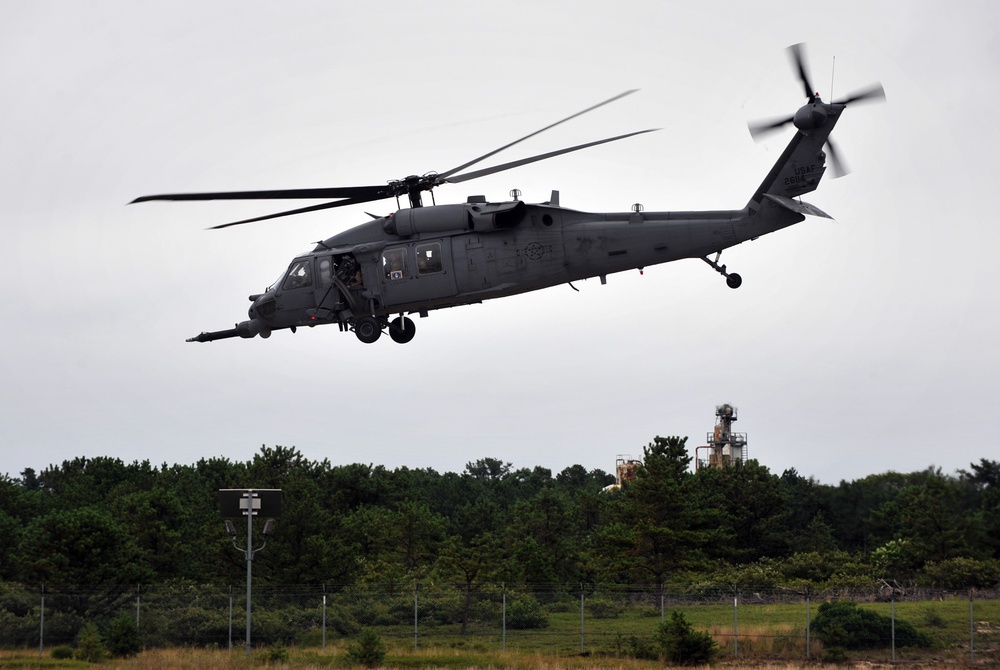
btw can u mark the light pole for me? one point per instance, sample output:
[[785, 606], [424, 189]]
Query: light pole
[[250, 503]]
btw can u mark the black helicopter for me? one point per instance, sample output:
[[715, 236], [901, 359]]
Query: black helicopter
[[369, 278]]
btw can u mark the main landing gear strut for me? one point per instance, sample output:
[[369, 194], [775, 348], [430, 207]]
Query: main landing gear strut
[[368, 329], [733, 280]]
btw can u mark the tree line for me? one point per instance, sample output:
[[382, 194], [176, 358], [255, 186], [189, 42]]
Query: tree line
[[100, 521]]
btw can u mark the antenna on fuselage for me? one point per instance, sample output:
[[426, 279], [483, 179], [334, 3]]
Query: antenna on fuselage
[[833, 71]]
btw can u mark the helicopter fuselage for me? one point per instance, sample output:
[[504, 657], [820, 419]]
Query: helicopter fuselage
[[492, 250]]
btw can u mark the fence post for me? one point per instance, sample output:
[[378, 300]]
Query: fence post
[[663, 614], [230, 618], [808, 625], [416, 600], [41, 626], [892, 612], [503, 619], [581, 618], [972, 631], [324, 617], [137, 588], [736, 625]]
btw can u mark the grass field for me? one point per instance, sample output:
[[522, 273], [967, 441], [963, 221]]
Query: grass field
[[770, 636]]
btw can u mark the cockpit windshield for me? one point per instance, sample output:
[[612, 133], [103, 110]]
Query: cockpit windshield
[[273, 285], [299, 275]]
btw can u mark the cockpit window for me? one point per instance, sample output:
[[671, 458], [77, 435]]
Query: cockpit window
[[394, 264], [299, 275], [429, 258]]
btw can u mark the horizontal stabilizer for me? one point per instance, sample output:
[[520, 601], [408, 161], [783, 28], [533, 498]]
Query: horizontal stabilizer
[[797, 206]]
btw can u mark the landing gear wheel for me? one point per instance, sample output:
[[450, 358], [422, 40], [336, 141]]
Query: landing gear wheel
[[734, 280], [402, 329], [368, 329]]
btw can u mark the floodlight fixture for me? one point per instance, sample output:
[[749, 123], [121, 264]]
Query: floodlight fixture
[[236, 503]]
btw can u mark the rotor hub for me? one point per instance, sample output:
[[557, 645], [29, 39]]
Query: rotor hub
[[811, 116]]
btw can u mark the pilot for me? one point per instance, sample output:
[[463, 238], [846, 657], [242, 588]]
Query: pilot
[[301, 276]]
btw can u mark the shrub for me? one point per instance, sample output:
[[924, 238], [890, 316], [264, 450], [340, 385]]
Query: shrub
[[635, 647], [122, 639], [526, 613], [89, 646], [933, 618], [842, 624], [276, 653], [62, 653], [682, 645], [604, 608], [368, 650]]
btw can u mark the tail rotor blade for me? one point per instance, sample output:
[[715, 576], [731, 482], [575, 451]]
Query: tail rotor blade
[[875, 93], [762, 128], [837, 165], [795, 52]]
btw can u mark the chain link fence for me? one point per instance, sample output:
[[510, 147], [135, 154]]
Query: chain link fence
[[746, 623]]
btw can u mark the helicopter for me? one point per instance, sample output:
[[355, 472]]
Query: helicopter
[[370, 278]]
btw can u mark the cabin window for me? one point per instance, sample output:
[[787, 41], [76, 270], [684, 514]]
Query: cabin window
[[429, 258], [299, 275], [325, 271], [394, 264]]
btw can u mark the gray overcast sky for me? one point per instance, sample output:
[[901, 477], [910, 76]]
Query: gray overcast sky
[[854, 347]]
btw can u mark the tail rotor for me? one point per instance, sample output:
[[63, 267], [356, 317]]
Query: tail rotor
[[815, 112]]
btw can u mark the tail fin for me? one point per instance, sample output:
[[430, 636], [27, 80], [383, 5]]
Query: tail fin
[[800, 167]]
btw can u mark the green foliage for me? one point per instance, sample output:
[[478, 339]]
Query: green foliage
[[89, 646], [842, 624], [100, 521], [122, 638], [962, 573], [62, 653], [682, 645], [275, 653], [632, 646], [604, 608], [748, 507], [933, 618], [368, 650], [525, 613]]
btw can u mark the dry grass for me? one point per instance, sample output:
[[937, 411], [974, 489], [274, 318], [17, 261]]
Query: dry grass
[[429, 659]]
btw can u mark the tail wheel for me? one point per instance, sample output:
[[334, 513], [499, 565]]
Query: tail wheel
[[402, 329], [368, 329]]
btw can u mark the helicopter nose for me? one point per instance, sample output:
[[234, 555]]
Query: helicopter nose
[[264, 306]]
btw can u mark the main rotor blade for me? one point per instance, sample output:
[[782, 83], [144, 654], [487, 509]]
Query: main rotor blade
[[874, 92], [302, 210], [798, 59], [368, 192], [444, 176], [456, 179]]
